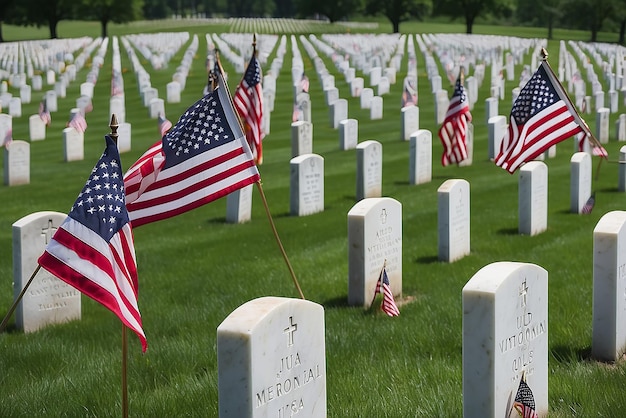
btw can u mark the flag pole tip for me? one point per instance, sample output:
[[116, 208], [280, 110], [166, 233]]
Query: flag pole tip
[[544, 54], [114, 125]]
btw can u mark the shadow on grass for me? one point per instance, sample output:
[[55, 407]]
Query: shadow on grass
[[567, 354], [427, 259], [338, 302], [508, 231], [219, 220]]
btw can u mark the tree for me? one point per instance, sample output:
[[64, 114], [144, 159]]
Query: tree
[[398, 11], [471, 9], [45, 12], [105, 11], [334, 10], [590, 14], [547, 13]]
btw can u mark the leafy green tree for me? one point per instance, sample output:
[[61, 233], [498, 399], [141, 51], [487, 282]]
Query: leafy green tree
[[46, 12], [106, 11], [547, 13], [334, 10], [155, 9], [398, 11], [469, 10], [6, 6], [590, 14]]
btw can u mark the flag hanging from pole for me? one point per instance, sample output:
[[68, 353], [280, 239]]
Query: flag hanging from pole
[[44, 113], [541, 117], [382, 286], [78, 122], [248, 101], [164, 125], [203, 157], [409, 92], [93, 248], [524, 402], [453, 131], [304, 83]]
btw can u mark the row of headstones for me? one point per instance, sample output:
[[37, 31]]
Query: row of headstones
[[271, 352]]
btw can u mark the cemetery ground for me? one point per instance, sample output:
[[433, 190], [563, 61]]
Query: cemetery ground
[[195, 269]]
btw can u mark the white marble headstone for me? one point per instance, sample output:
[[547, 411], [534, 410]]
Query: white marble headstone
[[73, 145], [374, 240], [51, 101], [580, 181], [621, 170], [420, 157], [86, 89], [533, 198], [369, 169], [442, 102], [376, 108], [366, 98], [36, 128], [410, 121], [272, 360], [117, 107], [124, 137], [239, 205], [348, 134], [301, 138], [17, 163], [156, 108], [356, 86], [620, 128], [602, 125], [497, 129], [306, 185], [338, 111], [173, 92], [505, 337], [453, 219], [47, 300], [609, 282]]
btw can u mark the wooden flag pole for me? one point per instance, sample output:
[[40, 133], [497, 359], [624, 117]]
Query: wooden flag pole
[[114, 125], [280, 244], [18, 299]]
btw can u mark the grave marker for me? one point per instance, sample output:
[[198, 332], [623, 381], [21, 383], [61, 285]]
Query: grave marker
[[306, 185], [580, 181], [17, 163], [420, 157], [533, 198], [369, 169], [453, 219]]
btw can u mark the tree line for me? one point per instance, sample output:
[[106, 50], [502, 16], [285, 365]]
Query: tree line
[[588, 15]]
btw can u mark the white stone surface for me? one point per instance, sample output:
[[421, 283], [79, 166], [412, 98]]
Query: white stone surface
[[272, 360], [301, 138], [306, 185], [369, 169], [338, 111], [580, 181], [409, 121], [36, 128], [17, 163], [505, 336], [376, 108], [124, 137], [173, 90], [621, 169], [366, 98], [453, 219], [348, 134], [497, 128], [421, 157], [239, 205], [73, 145], [609, 282], [47, 300], [533, 198], [374, 237]]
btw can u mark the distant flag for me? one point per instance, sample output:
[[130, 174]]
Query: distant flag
[[44, 113], [8, 138], [93, 249], [597, 150], [409, 93], [298, 113], [589, 204], [382, 286], [541, 117], [248, 101], [453, 131], [203, 157], [164, 125], [524, 402], [78, 121], [304, 83]]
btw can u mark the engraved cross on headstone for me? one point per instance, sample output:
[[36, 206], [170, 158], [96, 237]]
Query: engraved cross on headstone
[[48, 231], [290, 330], [383, 216], [523, 291]]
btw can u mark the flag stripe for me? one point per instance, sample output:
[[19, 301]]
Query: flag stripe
[[453, 131]]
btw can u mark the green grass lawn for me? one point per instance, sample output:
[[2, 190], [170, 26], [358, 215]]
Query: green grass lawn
[[195, 269]]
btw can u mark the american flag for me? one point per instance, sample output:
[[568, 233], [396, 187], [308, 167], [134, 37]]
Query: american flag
[[453, 131], [203, 157], [44, 113], [164, 125], [524, 402], [541, 117], [589, 204], [93, 248], [409, 93], [78, 122], [382, 286], [248, 100], [304, 83], [597, 150]]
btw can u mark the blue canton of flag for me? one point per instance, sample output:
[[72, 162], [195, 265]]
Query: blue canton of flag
[[100, 205], [534, 97], [199, 129]]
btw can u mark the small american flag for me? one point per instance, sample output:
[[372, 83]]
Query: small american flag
[[248, 101], [524, 401], [44, 113], [382, 286], [304, 83], [589, 204], [164, 125], [205, 156], [453, 131], [93, 249], [541, 117], [78, 122]]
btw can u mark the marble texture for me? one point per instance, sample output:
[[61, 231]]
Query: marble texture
[[580, 181], [533, 198], [453, 219], [369, 169], [409, 121], [306, 185], [420, 157]]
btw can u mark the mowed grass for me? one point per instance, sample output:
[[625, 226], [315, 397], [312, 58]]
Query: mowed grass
[[195, 269]]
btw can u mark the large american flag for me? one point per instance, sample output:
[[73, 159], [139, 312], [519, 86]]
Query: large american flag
[[248, 100], [203, 157], [93, 248], [382, 286], [541, 117], [524, 402], [453, 131]]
